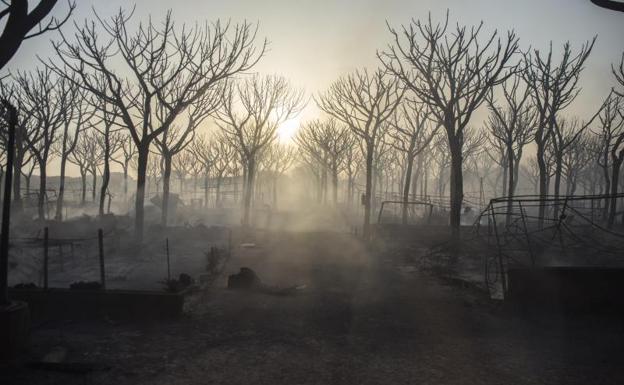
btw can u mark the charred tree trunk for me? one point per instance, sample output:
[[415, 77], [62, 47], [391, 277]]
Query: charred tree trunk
[[607, 186], [6, 205], [125, 177], [206, 178], [334, 171], [406, 188], [143, 153], [93, 184], [106, 172], [61, 193], [28, 179], [542, 186], [166, 187], [251, 170], [20, 153], [83, 192], [615, 178], [370, 149], [42, 189], [457, 186], [512, 181], [557, 187], [218, 190]]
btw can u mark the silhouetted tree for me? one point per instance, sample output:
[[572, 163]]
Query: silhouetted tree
[[22, 21], [412, 130], [48, 103], [202, 149], [611, 154], [109, 142], [510, 126], [554, 86], [10, 91], [85, 153], [575, 160], [125, 153], [76, 113], [279, 158], [364, 101], [252, 111], [222, 154], [327, 141], [610, 4], [182, 165], [166, 70], [452, 71]]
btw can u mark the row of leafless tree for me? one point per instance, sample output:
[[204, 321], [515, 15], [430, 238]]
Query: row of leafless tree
[[135, 97], [433, 78]]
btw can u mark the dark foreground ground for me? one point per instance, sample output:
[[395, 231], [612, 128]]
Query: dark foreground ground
[[360, 320]]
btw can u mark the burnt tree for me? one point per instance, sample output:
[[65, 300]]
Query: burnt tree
[[364, 101], [155, 69], [452, 70]]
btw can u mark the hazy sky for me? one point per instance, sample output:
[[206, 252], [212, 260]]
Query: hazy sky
[[313, 42]]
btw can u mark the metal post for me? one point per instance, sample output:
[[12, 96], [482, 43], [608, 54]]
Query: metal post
[[101, 249]]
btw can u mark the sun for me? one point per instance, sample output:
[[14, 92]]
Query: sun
[[287, 130]]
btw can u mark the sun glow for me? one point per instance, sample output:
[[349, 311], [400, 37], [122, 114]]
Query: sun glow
[[287, 130]]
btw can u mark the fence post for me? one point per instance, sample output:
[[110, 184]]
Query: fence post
[[101, 250]]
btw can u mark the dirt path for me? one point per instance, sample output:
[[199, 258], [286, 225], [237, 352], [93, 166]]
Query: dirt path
[[357, 322]]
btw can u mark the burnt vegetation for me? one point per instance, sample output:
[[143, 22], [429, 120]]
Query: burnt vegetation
[[145, 160]]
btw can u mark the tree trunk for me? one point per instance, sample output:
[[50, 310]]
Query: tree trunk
[[166, 186], [615, 177], [61, 192], [319, 188], [251, 169], [324, 181], [505, 186], [106, 172], [206, 177], [218, 191], [17, 180], [512, 182], [607, 183], [143, 153], [334, 183], [94, 184], [83, 179], [542, 187], [368, 190], [28, 183], [42, 189], [457, 186], [6, 207], [406, 188], [125, 176], [557, 192], [351, 189]]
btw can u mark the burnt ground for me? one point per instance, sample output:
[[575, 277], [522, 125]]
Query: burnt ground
[[360, 319]]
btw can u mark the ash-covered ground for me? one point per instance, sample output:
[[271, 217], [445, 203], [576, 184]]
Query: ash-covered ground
[[362, 315]]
